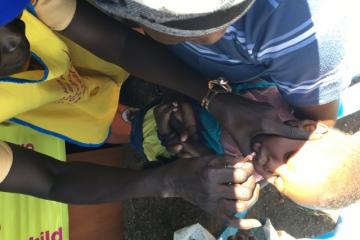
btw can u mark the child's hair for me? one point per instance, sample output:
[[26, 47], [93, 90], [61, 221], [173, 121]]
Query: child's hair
[[345, 149]]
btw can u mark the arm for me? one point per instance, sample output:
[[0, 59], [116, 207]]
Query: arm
[[36, 174], [137, 54], [85, 183]]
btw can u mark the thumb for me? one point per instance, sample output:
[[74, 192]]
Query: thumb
[[179, 127]]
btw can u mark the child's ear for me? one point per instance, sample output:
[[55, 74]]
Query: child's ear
[[308, 125]]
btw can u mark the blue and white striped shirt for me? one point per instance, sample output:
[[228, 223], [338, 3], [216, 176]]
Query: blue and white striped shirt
[[297, 44]]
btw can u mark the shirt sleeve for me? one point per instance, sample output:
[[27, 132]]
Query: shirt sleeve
[[6, 159], [305, 52], [57, 14]]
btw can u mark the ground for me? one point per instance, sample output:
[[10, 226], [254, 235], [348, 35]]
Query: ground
[[147, 219]]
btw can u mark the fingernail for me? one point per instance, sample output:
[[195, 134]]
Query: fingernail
[[175, 104]]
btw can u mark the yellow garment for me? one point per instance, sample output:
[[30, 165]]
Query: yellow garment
[[6, 159], [75, 97], [151, 144]]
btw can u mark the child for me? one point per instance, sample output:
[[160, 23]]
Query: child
[[314, 173]]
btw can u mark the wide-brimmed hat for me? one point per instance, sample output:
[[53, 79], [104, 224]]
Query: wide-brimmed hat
[[10, 9], [186, 18]]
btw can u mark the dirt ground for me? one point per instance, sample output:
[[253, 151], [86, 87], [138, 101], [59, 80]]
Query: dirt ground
[[147, 219]]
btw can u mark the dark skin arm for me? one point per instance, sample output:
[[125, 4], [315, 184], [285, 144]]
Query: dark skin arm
[[86, 183], [141, 56], [36, 174]]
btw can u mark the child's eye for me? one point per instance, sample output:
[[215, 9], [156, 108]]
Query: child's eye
[[288, 155]]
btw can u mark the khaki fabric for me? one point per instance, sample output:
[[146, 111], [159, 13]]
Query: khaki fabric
[[57, 14], [6, 159]]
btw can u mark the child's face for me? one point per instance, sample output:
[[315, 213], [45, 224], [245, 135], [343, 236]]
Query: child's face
[[14, 48], [299, 169]]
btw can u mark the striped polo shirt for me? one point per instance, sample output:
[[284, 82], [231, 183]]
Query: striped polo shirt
[[300, 45]]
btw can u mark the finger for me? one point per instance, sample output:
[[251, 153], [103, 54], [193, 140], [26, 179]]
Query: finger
[[250, 183], [249, 158], [233, 207], [244, 224], [172, 144], [188, 117], [183, 154], [237, 192], [184, 129], [162, 115], [233, 175], [174, 149], [177, 124], [191, 149], [255, 195], [223, 161]]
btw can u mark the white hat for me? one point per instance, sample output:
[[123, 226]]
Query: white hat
[[178, 17]]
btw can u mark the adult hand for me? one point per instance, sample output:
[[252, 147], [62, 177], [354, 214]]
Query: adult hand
[[177, 129], [221, 185], [244, 119]]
